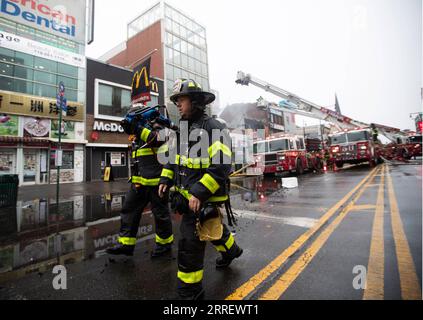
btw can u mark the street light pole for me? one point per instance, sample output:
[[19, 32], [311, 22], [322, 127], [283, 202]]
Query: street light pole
[[58, 151], [60, 106]]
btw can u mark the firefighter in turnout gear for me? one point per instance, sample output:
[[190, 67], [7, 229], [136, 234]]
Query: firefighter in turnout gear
[[145, 178], [201, 188]]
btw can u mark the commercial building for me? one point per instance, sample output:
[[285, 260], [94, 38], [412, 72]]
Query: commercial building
[[175, 42], [108, 101], [252, 116], [42, 44]]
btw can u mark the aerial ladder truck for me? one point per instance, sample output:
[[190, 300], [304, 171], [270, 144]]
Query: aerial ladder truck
[[354, 142]]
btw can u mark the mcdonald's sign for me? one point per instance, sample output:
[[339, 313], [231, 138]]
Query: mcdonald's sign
[[154, 86], [141, 83]]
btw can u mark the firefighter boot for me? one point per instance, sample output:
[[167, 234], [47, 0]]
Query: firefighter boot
[[160, 250], [227, 257], [121, 249]]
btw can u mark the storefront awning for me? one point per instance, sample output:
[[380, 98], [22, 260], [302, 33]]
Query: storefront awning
[[8, 139]]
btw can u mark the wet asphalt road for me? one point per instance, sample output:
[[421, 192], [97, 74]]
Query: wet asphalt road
[[300, 243]]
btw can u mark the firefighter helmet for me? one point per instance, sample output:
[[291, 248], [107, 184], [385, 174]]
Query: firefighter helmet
[[190, 88]]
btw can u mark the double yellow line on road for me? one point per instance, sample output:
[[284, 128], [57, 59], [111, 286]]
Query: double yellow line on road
[[375, 283], [251, 285], [410, 288], [409, 283]]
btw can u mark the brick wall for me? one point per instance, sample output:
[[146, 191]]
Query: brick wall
[[140, 45]]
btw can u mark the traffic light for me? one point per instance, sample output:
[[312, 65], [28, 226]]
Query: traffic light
[[419, 126]]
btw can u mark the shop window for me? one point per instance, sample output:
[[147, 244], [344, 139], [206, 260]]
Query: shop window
[[67, 160]]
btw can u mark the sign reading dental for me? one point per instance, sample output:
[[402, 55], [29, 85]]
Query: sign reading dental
[[64, 18]]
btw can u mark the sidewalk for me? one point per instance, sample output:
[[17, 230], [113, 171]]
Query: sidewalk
[[72, 189]]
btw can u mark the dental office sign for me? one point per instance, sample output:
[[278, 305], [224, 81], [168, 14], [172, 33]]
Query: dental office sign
[[64, 18], [17, 43]]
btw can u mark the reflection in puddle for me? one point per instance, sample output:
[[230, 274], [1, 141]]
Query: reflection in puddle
[[36, 235], [256, 189]]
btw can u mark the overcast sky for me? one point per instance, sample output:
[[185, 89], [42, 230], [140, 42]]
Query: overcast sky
[[369, 52]]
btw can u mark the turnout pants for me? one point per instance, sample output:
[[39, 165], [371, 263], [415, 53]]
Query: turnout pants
[[191, 254], [135, 202]]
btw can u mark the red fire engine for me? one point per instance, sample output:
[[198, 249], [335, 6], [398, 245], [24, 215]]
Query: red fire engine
[[285, 153], [354, 147], [357, 141]]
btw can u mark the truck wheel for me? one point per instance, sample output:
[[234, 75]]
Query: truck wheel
[[319, 164], [339, 164], [299, 168]]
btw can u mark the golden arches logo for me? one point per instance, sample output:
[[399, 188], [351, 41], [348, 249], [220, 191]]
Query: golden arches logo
[[137, 78], [154, 86]]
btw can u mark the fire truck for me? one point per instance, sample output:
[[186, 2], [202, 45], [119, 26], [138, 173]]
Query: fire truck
[[355, 141], [410, 148], [281, 153], [414, 145], [354, 146]]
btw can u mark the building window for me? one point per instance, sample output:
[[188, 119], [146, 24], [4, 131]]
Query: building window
[[44, 77], [27, 74], [67, 160], [113, 101], [44, 90], [45, 65]]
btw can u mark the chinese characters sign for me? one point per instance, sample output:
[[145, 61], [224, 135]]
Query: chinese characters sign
[[38, 107]]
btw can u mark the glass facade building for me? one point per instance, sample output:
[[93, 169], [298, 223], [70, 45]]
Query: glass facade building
[[30, 72], [184, 43]]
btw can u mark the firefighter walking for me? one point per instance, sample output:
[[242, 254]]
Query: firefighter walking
[[145, 179], [201, 187]]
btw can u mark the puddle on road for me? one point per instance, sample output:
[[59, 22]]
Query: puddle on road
[[35, 235], [259, 189]]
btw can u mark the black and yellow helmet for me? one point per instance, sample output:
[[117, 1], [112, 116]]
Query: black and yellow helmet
[[190, 88]]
